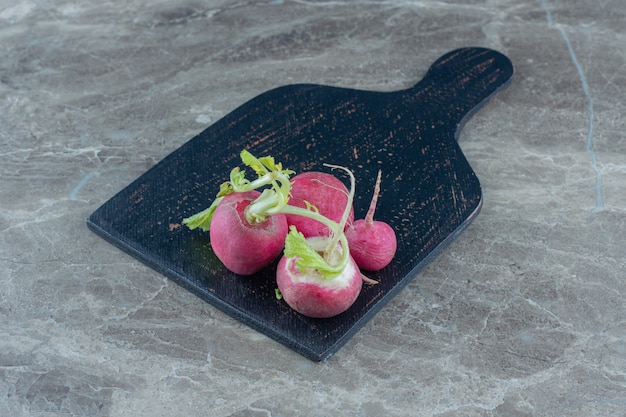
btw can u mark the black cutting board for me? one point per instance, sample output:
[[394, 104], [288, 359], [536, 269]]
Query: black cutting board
[[429, 191]]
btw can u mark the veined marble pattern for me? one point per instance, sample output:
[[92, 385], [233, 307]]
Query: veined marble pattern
[[523, 315]]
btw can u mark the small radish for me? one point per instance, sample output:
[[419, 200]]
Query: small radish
[[310, 292], [317, 276], [322, 192], [372, 243], [243, 247], [246, 229]]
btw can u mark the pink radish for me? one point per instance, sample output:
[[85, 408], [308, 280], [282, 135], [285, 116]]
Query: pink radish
[[246, 228], [322, 192], [245, 248], [317, 276], [310, 293], [372, 243]]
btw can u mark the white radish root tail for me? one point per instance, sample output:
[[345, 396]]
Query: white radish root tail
[[368, 280]]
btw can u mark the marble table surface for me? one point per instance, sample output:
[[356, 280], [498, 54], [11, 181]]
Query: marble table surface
[[523, 315]]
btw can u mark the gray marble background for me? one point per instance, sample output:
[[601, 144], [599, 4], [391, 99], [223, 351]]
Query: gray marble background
[[523, 315]]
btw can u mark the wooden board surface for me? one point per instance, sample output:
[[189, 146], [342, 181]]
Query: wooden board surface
[[429, 191]]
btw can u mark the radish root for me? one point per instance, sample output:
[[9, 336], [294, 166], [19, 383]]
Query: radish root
[[369, 218], [368, 280]]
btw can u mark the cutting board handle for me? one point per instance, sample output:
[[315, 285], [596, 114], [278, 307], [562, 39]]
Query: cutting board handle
[[459, 82]]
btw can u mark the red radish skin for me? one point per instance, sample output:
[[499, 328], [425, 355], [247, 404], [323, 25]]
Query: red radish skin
[[242, 247], [322, 190], [314, 296], [373, 244]]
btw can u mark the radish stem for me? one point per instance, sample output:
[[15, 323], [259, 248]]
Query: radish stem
[[338, 233]]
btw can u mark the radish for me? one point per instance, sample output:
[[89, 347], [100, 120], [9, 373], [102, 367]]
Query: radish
[[372, 243], [317, 277], [243, 247], [246, 229], [322, 192], [310, 292]]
